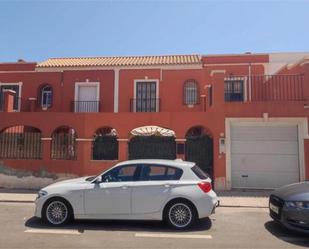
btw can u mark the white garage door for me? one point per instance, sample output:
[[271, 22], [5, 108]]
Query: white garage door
[[264, 157]]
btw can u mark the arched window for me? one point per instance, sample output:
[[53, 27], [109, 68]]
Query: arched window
[[46, 96], [191, 92], [20, 142], [105, 144]]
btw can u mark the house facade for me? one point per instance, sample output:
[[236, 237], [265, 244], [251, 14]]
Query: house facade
[[243, 118]]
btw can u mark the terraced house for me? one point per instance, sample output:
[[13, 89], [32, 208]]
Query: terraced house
[[243, 118]]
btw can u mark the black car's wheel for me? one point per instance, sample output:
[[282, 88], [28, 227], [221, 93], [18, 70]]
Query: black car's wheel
[[57, 212], [180, 214]]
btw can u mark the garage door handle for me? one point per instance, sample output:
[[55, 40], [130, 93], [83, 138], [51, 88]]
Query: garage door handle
[[244, 176]]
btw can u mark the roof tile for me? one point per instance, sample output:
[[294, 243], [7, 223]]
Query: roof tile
[[122, 61]]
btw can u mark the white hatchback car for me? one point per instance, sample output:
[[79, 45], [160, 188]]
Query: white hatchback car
[[176, 191]]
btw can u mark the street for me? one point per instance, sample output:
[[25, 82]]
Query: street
[[230, 227]]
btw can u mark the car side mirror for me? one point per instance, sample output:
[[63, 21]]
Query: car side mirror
[[98, 180]]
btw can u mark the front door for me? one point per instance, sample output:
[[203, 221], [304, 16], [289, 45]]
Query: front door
[[146, 97], [199, 149], [87, 98], [112, 196]]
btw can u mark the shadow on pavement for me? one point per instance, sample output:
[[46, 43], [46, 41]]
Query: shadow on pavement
[[108, 225], [286, 235]]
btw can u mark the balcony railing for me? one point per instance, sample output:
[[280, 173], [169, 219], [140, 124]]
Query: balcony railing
[[145, 105], [85, 106], [264, 88]]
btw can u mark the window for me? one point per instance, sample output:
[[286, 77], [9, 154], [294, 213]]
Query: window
[[160, 173], [199, 173], [191, 93], [233, 90], [146, 97], [46, 96], [121, 174]]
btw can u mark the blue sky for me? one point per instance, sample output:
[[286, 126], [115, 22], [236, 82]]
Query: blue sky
[[37, 30]]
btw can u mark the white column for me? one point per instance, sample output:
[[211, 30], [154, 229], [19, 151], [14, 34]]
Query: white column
[[116, 90]]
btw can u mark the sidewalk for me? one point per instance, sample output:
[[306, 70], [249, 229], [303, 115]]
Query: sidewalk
[[240, 198], [17, 195], [244, 198]]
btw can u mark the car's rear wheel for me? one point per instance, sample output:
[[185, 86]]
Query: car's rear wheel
[[180, 215], [57, 212]]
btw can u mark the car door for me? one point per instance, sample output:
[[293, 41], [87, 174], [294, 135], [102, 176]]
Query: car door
[[153, 188], [112, 195]]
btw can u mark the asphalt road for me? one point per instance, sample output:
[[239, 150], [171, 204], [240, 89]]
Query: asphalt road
[[228, 228]]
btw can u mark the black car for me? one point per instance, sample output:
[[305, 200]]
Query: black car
[[289, 205]]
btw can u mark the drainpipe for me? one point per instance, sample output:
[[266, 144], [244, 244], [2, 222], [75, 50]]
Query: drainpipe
[[249, 83], [61, 90], [116, 90]]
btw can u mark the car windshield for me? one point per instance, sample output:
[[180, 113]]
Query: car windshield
[[199, 173]]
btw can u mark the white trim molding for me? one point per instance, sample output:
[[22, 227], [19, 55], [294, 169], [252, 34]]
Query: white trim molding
[[212, 72], [180, 140], [122, 139], [84, 139], [301, 123], [46, 139]]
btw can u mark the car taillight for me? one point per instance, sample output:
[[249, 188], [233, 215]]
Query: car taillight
[[205, 186]]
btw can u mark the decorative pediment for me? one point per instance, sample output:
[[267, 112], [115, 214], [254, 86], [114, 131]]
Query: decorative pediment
[[152, 130]]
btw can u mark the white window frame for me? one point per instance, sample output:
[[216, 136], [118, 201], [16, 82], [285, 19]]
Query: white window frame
[[244, 79], [19, 84], [42, 90], [87, 83], [157, 91], [196, 92]]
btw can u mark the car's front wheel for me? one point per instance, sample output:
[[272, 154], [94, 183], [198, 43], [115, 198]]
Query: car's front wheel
[[180, 215], [57, 212]]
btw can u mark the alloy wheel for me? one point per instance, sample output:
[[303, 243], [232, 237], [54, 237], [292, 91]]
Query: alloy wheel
[[180, 215], [56, 212]]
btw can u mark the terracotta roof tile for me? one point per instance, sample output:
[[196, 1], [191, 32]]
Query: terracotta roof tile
[[122, 61]]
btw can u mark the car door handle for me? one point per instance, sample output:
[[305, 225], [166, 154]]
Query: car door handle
[[166, 185], [124, 187]]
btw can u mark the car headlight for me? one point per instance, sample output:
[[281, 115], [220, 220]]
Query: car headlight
[[297, 204], [42, 193]]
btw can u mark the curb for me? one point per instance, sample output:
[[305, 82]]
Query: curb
[[226, 206], [240, 206], [15, 201]]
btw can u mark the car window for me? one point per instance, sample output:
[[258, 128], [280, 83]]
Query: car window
[[121, 174], [199, 173], [159, 173]]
